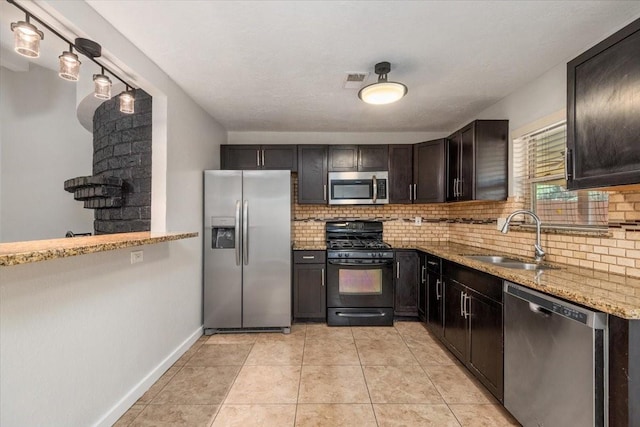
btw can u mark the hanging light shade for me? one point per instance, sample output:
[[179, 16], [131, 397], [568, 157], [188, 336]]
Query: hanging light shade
[[69, 65], [102, 86], [127, 102], [26, 38], [383, 91]]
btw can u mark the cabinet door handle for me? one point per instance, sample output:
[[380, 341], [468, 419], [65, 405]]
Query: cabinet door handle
[[410, 198], [455, 187], [322, 277], [424, 270], [467, 308], [324, 192], [262, 158], [462, 304], [438, 293], [568, 165], [308, 257], [415, 193], [258, 158], [398, 270]]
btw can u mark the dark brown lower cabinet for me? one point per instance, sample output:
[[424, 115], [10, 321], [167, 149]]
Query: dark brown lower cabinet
[[309, 285], [473, 323], [435, 296], [406, 271]]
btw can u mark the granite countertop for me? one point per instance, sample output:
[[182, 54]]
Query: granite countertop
[[607, 292], [43, 250]]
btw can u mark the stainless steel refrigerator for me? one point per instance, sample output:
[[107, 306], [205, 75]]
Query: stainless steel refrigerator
[[247, 250]]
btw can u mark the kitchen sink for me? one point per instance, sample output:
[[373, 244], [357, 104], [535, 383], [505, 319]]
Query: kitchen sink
[[507, 262]]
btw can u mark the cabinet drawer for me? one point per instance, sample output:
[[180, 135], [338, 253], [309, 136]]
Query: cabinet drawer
[[483, 283], [433, 264], [309, 257]]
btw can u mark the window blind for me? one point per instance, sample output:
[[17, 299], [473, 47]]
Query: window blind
[[539, 175]]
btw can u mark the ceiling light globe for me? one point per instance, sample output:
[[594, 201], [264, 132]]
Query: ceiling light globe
[[382, 93], [102, 86], [127, 102], [69, 66], [26, 39]]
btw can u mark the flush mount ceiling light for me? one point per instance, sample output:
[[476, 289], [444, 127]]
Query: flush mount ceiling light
[[26, 38], [383, 91]]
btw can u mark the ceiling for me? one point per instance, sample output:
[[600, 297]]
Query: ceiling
[[281, 65]]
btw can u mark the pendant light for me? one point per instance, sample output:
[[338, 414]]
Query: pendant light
[[26, 38], [102, 86], [383, 91], [127, 101], [69, 65]]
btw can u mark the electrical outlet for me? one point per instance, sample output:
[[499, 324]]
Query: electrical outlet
[[500, 224], [136, 257], [417, 220]]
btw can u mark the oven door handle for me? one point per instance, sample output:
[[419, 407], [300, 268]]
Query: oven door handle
[[356, 264], [380, 314]]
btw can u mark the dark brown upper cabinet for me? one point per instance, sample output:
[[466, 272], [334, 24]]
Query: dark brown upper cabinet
[[246, 157], [603, 113], [429, 171], [312, 174], [417, 172], [358, 158], [401, 173], [477, 161]]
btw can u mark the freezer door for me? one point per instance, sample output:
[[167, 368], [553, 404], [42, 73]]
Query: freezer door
[[222, 265], [267, 264]]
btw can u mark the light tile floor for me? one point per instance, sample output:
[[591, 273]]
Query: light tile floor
[[319, 376]]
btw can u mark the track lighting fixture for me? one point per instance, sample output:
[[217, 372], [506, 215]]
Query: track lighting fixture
[[27, 43], [127, 101], [383, 91], [69, 65], [102, 86], [26, 38]]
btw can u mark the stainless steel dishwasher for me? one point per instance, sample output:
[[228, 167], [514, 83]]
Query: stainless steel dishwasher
[[555, 360]]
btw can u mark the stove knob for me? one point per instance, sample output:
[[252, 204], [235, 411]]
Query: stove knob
[[347, 254], [340, 255]]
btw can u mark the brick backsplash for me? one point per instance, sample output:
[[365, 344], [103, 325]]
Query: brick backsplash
[[615, 250]]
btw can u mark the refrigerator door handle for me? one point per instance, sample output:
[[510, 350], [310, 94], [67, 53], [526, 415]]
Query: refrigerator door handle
[[237, 228], [245, 232]]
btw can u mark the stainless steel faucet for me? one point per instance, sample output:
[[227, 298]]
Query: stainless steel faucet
[[538, 248]]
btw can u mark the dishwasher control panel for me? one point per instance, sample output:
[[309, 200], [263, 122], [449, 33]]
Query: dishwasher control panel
[[569, 312]]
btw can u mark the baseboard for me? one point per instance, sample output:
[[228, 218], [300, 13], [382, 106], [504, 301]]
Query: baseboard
[[139, 389]]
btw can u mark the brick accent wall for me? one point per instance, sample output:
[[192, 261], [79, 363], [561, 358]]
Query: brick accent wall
[[122, 149], [616, 250]]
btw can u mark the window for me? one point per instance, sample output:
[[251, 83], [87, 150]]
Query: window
[[539, 176]]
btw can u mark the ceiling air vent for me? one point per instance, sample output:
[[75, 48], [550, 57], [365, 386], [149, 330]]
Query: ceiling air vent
[[355, 80]]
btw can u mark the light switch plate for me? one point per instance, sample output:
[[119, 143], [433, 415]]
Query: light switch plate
[[136, 257], [417, 220]]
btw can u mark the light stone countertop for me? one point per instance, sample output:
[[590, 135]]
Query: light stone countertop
[[43, 250], [607, 292], [309, 246]]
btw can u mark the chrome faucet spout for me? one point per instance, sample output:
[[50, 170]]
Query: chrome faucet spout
[[539, 252]]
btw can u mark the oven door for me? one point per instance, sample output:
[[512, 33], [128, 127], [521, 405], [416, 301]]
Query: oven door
[[360, 283]]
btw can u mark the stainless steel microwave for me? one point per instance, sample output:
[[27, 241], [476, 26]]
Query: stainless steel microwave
[[359, 188]]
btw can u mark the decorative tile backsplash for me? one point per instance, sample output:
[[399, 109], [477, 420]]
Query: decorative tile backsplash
[[615, 250]]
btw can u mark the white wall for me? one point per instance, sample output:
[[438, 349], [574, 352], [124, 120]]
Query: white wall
[[333, 137], [42, 145], [81, 338]]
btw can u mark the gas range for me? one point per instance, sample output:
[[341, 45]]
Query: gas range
[[356, 240]]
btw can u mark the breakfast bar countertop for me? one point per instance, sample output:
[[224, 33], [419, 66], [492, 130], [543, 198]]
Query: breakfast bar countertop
[[42, 250], [611, 293]]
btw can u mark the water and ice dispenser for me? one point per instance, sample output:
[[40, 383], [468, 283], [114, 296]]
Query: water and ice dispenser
[[223, 232]]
